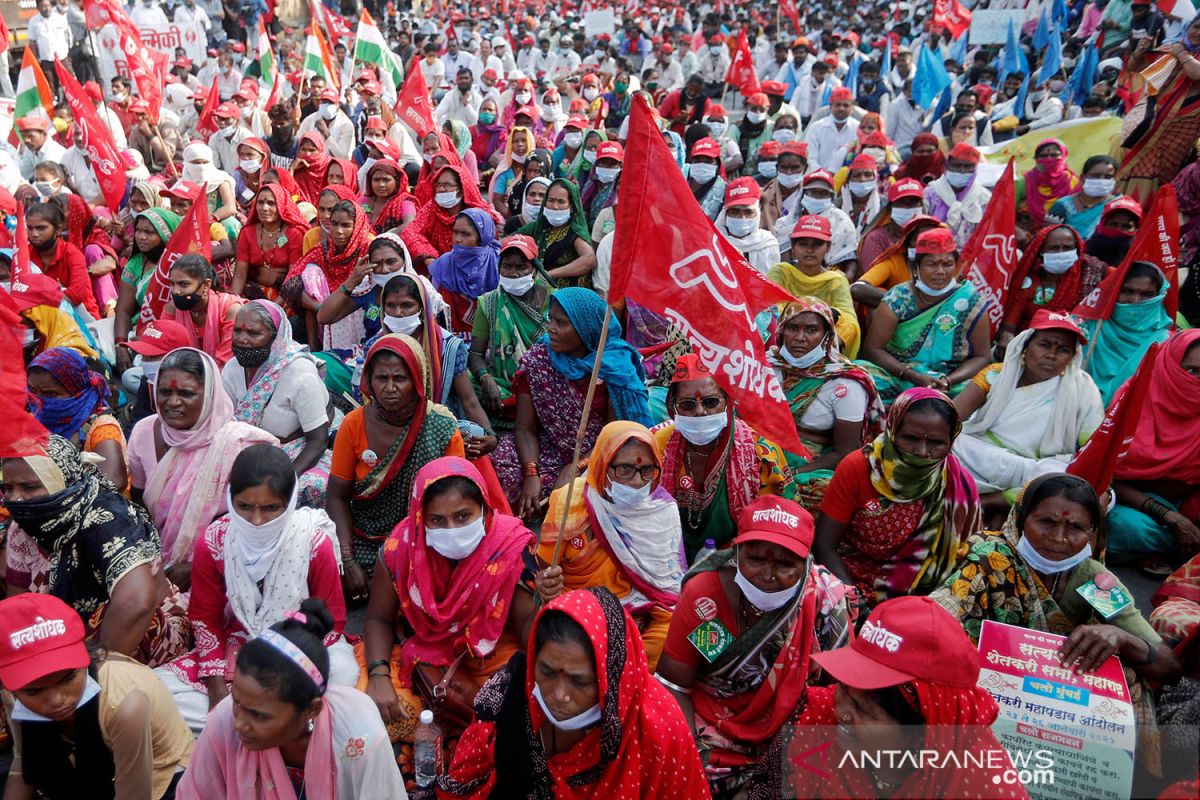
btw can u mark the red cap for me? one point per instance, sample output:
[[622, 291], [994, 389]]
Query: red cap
[[689, 368], [770, 149], [159, 338], [1046, 320], [714, 110], [490, 73], [774, 88], [906, 187], [370, 87], [1123, 203], [35, 289], [183, 63], [841, 93], [578, 104], [965, 152], [706, 147], [226, 110], [938, 241], [810, 226], [200, 93], [817, 176], [93, 91], [239, 47], [139, 106], [589, 79], [864, 161], [375, 123], [742, 192], [386, 146], [249, 86], [779, 521], [668, 48], [919, 220], [32, 123], [520, 241], [610, 150], [242, 94], [905, 639], [39, 635], [717, 38], [876, 139], [184, 190], [758, 99], [330, 94], [576, 121]]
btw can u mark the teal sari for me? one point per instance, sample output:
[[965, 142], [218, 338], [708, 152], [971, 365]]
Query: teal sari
[[1118, 345]]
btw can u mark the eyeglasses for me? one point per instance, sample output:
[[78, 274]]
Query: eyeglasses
[[691, 405], [625, 472]]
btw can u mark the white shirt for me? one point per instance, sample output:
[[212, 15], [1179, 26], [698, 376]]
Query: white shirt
[[456, 105], [298, 404], [454, 63], [670, 76], [27, 159], [10, 173], [224, 148], [228, 84], [51, 35], [185, 16], [82, 177], [341, 137], [838, 400], [904, 119], [824, 138], [434, 74], [541, 62], [478, 66], [714, 68], [143, 15]]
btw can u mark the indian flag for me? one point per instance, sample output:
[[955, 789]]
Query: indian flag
[[34, 98], [371, 48], [267, 68], [317, 58]]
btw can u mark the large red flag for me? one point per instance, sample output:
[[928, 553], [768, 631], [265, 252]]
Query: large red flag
[[20, 264], [952, 15], [206, 123], [990, 255], [105, 159], [788, 8], [1097, 460], [1156, 241], [23, 434], [742, 75], [690, 274], [147, 67], [413, 105], [190, 238]]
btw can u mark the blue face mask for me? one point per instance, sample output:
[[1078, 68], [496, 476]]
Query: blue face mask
[[66, 415]]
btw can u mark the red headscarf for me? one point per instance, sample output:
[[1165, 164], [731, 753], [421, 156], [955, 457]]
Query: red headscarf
[[260, 147], [288, 212], [349, 172], [425, 179], [1165, 443], [924, 168], [392, 212], [337, 266], [431, 231], [1067, 294], [310, 176], [286, 181]]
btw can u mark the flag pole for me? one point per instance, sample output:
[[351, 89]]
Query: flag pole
[[171, 157], [573, 467], [1087, 358]]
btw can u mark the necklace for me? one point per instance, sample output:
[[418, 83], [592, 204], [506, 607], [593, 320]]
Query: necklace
[[691, 496]]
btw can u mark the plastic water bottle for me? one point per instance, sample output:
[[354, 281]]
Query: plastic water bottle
[[356, 377], [710, 547], [427, 750]]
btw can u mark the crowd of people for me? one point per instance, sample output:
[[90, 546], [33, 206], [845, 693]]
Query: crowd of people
[[389, 446]]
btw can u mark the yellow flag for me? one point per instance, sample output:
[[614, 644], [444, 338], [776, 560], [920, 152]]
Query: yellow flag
[[1083, 138]]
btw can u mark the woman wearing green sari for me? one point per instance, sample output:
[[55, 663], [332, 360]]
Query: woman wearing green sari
[[1138, 320], [834, 402], [561, 234], [931, 331], [508, 320], [152, 229], [585, 159]]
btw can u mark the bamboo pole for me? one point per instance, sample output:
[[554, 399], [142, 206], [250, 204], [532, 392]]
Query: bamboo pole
[[170, 157]]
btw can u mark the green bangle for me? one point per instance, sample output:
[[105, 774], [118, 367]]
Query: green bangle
[[379, 662], [345, 291]]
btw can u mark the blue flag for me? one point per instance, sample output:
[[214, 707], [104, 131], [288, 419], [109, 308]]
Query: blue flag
[[885, 64], [1052, 62], [943, 104], [930, 80], [1082, 78], [1058, 15], [851, 80], [959, 51], [1012, 53], [791, 80], [1041, 35]]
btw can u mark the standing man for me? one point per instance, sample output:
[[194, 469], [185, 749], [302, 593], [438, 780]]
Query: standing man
[[50, 38]]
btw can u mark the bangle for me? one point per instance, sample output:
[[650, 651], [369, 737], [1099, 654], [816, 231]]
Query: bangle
[[902, 372], [529, 469], [387, 674], [379, 662], [345, 291], [1151, 656]]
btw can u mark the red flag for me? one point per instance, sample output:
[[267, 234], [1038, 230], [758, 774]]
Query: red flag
[[788, 7], [690, 274], [20, 264], [23, 434], [206, 124], [147, 67], [1156, 241], [190, 238], [106, 160], [990, 255], [952, 15], [414, 106], [742, 75], [1097, 460]]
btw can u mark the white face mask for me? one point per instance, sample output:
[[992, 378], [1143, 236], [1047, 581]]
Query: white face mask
[[328, 111], [815, 205], [756, 117], [446, 199], [193, 173], [764, 601], [45, 188], [29, 336], [260, 540], [702, 173], [901, 216], [805, 361], [784, 135], [717, 128], [522, 98], [591, 93], [556, 216], [576, 723], [250, 166], [928, 291], [573, 139], [789, 180], [529, 211], [959, 180], [405, 325], [768, 169], [739, 227], [1058, 263], [518, 159], [1098, 187], [589, 156], [701, 430], [517, 287], [862, 188], [427, 158], [626, 496], [1045, 565], [607, 174], [149, 370], [456, 543]]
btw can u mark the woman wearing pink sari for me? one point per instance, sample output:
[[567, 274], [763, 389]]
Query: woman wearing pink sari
[[179, 459]]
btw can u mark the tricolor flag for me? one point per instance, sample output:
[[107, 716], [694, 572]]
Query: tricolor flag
[[371, 48], [268, 69], [317, 58], [34, 98]]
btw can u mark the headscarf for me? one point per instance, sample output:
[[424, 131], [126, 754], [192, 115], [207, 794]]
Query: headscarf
[[429, 234], [338, 266], [425, 178], [165, 222], [288, 212], [470, 271], [150, 192], [946, 490], [924, 168], [1069, 291], [506, 161], [580, 169], [540, 229], [1165, 444], [538, 181], [516, 194], [310, 176], [392, 213], [493, 134], [350, 173], [284, 350], [88, 391], [447, 603], [1123, 339], [208, 175], [460, 134], [679, 147], [1043, 188], [620, 366]]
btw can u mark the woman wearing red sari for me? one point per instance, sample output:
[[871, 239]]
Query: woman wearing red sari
[[578, 716], [269, 244], [389, 203], [312, 162], [1052, 274], [431, 233]]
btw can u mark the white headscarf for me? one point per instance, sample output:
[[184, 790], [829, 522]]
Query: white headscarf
[[205, 174]]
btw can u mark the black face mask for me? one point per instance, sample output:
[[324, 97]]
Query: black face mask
[[186, 302], [1109, 249], [251, 357]]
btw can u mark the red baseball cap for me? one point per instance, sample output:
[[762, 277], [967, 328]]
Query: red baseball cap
[[965, 152], [906, 187], [490, 73], [610, 150], [1046, 320], [817, 176], [1123, 203], [239, 47], [841, 93], [371, 86], [794, 148], [758, 99], [576, 121], [769, 150], [330, 95], [742, 192], [159, 338], [905, 639], [706, 147], [938, 241], [34, 289], [227, 110], [200, 93], [39, 635], [184, 190], [779, 521], [387, 147], [811, 226], [521, 242], [139, 106], [774, 88], [864, 161]]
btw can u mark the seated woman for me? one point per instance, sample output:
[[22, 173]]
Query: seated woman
[[740, 223], [310, 166], [152, 229], [389, 203], [470, 268], [533, 194], [1113, 237], [179, 458], [905, 202], [379, 450], [84, 722], [1052, 274], [182, 196], [270, 242], [896, 512], [714, 464], [217, 186], [251, 568], [76, 537], [276, 386], [292, 733], [1176, 618], [1050, 180], [1157, 480], [563, 237], [551, 385], [903, 701], [893, 267], [204, 312], [622, 533], [72, 401], [958, 198], [510, 170], [1138, 320], [772, 608], [1029, 415], [810, 277], [932, 331], [57, 258], [833, 401], [508, 321], [431, 233], [577, 715], [450, 599], [1083, 209], [45, 324]]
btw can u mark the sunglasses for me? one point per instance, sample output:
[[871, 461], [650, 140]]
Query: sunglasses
[[690, 405]]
